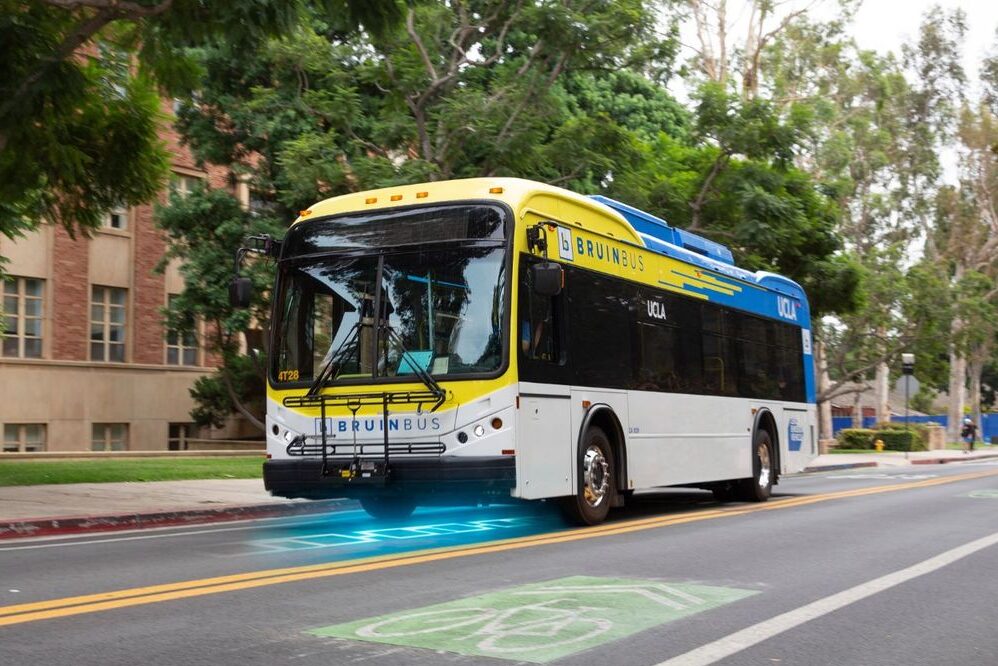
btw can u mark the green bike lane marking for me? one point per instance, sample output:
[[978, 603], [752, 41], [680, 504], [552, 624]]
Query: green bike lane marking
[[540, 622]]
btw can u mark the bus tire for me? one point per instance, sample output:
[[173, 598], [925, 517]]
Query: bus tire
[[597, 487], [760, 486], [388, 507]]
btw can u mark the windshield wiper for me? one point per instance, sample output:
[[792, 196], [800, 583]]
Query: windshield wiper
[[332, 367], [417, 367], [335, 363]]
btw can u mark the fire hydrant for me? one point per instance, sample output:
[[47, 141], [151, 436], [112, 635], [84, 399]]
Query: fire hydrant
[[879, 445]]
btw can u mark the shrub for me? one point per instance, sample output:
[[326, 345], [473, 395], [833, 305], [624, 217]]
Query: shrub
[[920, 430], [856, 438], [901, 440]]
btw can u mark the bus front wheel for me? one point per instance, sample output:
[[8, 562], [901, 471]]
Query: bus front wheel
[[760, 486], [388, 507], [597, 488]]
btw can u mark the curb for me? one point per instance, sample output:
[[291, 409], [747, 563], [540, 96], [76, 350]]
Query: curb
[[35, 527], [830, 468]]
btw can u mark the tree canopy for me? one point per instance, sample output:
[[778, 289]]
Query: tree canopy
[[79, 92], [783, 139]]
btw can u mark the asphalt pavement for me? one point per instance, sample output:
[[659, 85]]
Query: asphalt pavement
[[865, 566]]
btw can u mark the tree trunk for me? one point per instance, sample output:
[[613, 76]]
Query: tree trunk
[[825, 428], [974, 371], [857, 409], [240, 407], [957, 393], [882, 393]]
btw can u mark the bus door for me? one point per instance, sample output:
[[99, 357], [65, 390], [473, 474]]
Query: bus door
[[545, 450], [544, 446]]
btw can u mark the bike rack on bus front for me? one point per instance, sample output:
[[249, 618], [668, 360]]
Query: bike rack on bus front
[[358, 470]]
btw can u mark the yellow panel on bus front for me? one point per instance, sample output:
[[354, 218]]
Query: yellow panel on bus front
[[458, 393]]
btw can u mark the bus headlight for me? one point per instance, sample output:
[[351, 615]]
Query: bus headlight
[[479, 430], [288, 436]]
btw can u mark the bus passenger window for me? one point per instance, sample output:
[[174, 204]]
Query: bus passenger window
[[537, 329]]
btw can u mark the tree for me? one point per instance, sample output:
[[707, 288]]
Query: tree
[[977, 308], [459, 89], [722, 56], [79, 110], [967, 238], [203, 229], [470, 88], [877, 126], [568, 93]]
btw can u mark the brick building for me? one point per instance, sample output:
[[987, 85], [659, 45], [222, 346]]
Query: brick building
[[85, 362]]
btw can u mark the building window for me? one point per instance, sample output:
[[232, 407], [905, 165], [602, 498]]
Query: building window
[[116, 218], [109, 437], [23, 437], [178, 435], [22, 312], [182, 185], [260, 204], [181, 348], [107, 324]]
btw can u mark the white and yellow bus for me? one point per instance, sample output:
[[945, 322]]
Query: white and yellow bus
[[491, 339]]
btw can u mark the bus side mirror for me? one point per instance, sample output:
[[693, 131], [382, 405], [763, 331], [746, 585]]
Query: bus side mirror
[[548, 278], [240, 292]]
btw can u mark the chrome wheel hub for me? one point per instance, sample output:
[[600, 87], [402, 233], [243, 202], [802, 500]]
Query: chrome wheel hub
[[765, 468], [595, 476]]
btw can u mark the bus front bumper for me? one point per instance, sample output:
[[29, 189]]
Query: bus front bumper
[[433, 475]]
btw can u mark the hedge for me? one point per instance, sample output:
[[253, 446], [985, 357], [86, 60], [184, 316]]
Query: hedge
[[920, 430], [895, 438], [856, 438], [901, 440]]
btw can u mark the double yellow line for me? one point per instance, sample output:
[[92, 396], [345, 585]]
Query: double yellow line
[[91, 603]]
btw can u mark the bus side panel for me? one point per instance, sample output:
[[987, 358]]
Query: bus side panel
[[616, 401], [545, 448], [798, 436], [678, 439]]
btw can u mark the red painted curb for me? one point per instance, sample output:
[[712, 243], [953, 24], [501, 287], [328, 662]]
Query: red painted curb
[[831, 468], [18, 529]]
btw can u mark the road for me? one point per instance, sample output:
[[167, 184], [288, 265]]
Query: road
[[849, 567]]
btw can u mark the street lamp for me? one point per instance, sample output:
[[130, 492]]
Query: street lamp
[[907, 368]]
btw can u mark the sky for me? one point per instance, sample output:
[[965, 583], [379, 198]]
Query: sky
[[883, 25], [886, 24]]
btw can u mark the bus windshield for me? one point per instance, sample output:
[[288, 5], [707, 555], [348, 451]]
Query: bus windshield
[[445, 307]]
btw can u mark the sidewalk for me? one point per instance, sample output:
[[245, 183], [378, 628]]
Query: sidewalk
[[87, 507], [834, 461]]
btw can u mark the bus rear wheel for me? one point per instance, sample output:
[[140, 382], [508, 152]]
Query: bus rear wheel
[[388, 507], [597, 488], [760, 486]]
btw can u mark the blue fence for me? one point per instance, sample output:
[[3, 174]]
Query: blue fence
[[989, 427]]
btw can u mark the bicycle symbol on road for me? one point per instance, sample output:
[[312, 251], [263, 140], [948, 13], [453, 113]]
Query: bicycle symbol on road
[[511, 630], [553, 623], [539, 622]]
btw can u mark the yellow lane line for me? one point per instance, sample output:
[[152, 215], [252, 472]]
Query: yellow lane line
[[54, 608]]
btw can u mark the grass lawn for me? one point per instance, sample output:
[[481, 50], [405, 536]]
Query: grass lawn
[[34, 472]]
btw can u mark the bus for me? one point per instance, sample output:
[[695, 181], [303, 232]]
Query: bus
[[498, 339]]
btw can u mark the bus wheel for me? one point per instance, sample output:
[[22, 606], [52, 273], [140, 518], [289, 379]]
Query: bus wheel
[[759, 487], [591, 503], [388, 507]]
